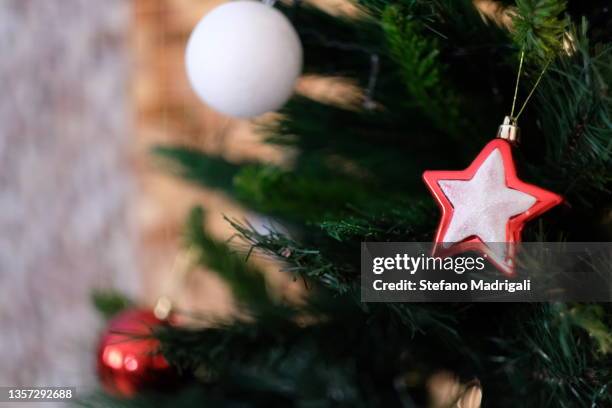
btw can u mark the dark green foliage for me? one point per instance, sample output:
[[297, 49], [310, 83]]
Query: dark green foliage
[[279, 192], [593, 320], [421, 71], [577, 123], [325, 37], [411, 223], [280, 361], [304, 262], [554, 363], [446, 81], [108, 302], [276, 357], [197, 167]]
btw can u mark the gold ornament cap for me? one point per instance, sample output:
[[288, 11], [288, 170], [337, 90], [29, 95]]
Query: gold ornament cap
[[509, 131]]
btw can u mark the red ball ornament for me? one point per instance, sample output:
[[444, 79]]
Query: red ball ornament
[[128, 357]]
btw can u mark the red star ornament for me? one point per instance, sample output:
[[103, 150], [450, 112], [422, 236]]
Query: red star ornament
[[485, 207]]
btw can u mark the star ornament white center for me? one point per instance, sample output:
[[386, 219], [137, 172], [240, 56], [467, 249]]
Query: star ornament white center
[[485, 207]]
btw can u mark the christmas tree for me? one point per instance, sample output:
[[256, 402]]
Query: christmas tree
[[437, 78]]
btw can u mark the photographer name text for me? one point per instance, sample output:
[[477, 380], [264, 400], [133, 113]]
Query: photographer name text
[[442, 285]]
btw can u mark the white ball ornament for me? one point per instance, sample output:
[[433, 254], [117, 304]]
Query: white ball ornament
[[243, 58]]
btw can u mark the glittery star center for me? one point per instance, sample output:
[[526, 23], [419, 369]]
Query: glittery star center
[[483, 205]]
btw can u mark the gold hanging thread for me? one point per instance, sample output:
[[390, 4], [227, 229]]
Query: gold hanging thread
[[509, 129], [533, 89], [518, 78]]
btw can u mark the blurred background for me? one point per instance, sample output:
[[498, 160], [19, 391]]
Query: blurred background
[[88, 89]]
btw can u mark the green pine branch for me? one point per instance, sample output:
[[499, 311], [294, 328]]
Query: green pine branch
[[302, 262], [195, 166], [575, 110], [403, 223], [553, 364], [539, 27], [275, 191], [422, 72]]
